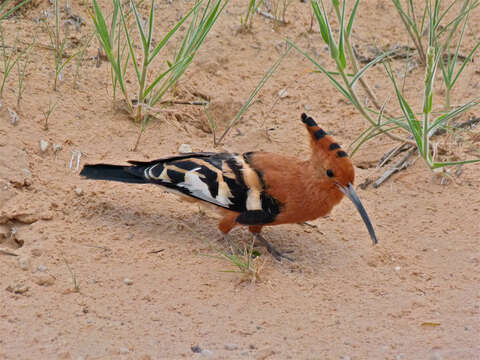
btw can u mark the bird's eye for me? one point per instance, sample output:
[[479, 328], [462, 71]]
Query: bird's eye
[[330, 173]]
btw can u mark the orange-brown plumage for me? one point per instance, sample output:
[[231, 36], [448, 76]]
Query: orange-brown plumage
[[255, 189], [303, 188]]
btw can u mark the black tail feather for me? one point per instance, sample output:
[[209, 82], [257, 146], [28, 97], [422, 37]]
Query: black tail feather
[[114, 173]]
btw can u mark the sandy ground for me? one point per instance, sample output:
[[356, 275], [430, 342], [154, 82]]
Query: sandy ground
[[149, 283]]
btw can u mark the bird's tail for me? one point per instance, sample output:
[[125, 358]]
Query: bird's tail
[[128, 174]]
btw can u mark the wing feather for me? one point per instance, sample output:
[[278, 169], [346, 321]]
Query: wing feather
[[223, 179]]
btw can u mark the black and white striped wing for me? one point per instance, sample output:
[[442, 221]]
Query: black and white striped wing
[[222, 179]]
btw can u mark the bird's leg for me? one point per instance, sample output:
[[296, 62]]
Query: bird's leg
[[228, 239], [262, 241], [226, 224]]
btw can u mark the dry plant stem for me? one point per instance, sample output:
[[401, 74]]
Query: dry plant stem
[[183, 102], [401, 165], [5, 251], [354, 64], [406, 146], [271, 16], [418, 44], [367, 115], [362, 80], [459, 126], [140, 132], [392, 153]]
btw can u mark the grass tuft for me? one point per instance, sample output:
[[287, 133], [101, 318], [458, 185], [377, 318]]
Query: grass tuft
[[118, 40], [415, 131]]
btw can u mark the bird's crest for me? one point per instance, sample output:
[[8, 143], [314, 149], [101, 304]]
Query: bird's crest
[[333, 158]]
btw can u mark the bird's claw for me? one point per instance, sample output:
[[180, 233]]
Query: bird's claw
[[274, 252]]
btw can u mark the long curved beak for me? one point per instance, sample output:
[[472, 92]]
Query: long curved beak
[[352, 195]]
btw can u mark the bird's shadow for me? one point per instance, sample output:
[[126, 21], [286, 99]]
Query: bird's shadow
[[163, 225]]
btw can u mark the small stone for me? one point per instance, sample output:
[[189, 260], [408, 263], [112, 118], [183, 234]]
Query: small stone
[[19, 288], [123, 350], [41, 268], [307, 107], [230, 347], [36, 252], [78, 191], [27, 177], [206, 352], [13, 116], [196, 349], [128, 281], [44, 280], [283, 94], [397, 268], [24, 262], [185, 148], [56, 147], [43, 145]]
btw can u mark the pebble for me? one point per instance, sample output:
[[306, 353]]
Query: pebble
[[397, 268], [43, 145], [56, 147], [206, 352], [44, 280], [283, 93], [307, 107], [185, 148], [13, 116], [36, 252], [42, 268], [24, 262], [127, 281], [79, 191], [19, 288], [123, 350], [27, 179], [196, 349], [230, 347]]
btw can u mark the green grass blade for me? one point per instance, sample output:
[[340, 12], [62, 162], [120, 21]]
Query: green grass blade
[[105, 41], [254, 93], [139, 26], [12, 10], [321, 21], [453, 113], [167, 37], [437, 165], [369, 65], [170, 69], [465, 62], [341, 43], [130, 44], [335, 83], [352, 18], [413, 123]]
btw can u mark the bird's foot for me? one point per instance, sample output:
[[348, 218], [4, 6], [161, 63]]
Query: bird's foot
[[275, 253], [227, 239]]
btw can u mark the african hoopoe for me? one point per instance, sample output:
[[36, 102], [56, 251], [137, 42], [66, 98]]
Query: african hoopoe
[[254, 189]]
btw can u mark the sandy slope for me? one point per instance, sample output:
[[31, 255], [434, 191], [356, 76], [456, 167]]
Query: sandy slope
[[414, 296]]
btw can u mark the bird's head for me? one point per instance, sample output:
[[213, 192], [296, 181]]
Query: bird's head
[[335, 167]]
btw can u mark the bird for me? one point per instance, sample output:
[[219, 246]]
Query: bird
[[253, 189]]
